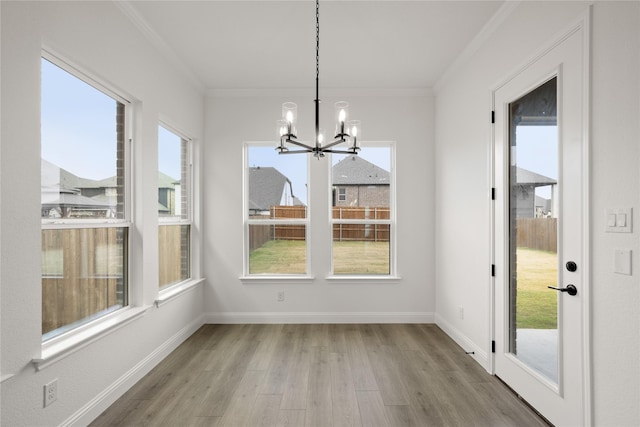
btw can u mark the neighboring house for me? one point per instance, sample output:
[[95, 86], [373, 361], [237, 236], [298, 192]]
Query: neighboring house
[[357, 182], [528, 204], [168, 195], [65, 195], [269, 187]]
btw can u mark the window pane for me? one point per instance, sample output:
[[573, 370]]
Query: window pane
[[277, 184], [361, 197], [174, 255], [362, 180], [82, 149], [277, 249], [83, 277], [84, 272], [173, 175], [361, 249]]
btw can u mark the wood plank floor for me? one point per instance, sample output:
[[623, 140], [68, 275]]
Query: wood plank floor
[[318, 375]]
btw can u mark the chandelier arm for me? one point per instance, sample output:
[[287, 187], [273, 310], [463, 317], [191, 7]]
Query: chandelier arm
[[331, 144], [350, 151], [297, 151], [299, 144]]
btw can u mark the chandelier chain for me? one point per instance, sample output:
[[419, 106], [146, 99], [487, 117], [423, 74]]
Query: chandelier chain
[[317, 39]]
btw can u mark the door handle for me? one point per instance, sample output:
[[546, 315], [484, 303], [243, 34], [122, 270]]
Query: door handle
[[570, 289]]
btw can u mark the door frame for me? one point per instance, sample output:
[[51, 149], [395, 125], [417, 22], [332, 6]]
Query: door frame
[[582, 23]]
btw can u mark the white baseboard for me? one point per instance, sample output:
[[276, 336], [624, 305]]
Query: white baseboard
[[108, 396], [261, 317], [463, 341]]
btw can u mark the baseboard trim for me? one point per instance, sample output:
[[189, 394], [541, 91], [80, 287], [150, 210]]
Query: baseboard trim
[[261, 317], [463, 341], [89, 412]]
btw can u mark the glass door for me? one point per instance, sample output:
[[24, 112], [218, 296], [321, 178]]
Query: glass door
[[540, 232], [533, 229]]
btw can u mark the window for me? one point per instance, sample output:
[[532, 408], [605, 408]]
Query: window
[[276, 218], [342, 194], [84, 209], [363, 212], [174, 207]]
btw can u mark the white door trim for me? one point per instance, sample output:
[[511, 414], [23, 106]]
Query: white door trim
[[582, 23]]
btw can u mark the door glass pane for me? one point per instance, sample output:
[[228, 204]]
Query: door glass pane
[[533, 235]]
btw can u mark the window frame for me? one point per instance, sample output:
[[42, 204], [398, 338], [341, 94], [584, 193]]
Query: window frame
[[391, 222], [169, 289], [69, 338], [247, 222], [342, 194]]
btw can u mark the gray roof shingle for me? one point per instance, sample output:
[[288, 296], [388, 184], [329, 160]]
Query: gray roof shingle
[[354, 170], [266, 185]]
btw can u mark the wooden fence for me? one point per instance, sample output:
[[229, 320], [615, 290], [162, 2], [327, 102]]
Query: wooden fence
[[83, 274], [538, 233], [259, 234], [173, 254]]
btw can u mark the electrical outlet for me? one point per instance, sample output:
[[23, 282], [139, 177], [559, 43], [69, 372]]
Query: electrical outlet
[[50, 392], [280, 296]]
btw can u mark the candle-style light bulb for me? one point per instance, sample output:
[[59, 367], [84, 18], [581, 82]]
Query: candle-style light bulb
[[289, 117], [320, 137], [342, 116]]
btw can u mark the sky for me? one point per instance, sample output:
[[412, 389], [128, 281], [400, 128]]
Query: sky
[[169, 153], [537, 151], [77, 118], [78, 124]]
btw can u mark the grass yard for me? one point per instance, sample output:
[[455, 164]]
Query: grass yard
[[536, 305], [357, 257], [289, 257], [279, 257]]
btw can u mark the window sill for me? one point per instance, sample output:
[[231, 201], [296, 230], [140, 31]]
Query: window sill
[[276, 279], [174, 291], [64, 345], [365, 280]]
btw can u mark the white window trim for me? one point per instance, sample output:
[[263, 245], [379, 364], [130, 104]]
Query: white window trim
[[65, 343], [393, 272], [246, 277]]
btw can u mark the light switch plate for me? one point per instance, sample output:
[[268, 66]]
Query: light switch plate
[[618, 220], [622, 261]]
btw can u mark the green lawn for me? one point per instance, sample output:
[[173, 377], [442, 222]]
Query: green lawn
[[279, 257], [536, 305], [289, 257]]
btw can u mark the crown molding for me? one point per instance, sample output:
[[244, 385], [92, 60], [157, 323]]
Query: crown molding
[[324, 92], [158, 42], [483, 35]]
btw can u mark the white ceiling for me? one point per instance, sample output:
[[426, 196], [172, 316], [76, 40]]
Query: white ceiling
[[256, 45]]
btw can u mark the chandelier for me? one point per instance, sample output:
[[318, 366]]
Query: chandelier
[[345, 131]]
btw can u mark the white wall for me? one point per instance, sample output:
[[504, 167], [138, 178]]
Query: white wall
[[462, 152], [230, 121], [99, 38]]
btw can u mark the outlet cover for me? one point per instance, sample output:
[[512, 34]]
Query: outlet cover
[[50, 392]]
